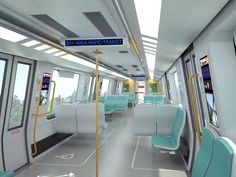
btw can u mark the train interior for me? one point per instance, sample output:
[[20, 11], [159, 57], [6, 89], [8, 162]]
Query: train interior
[[117, 88]]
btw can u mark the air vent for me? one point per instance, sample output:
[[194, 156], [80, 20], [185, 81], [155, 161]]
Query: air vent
[[123, 51], [125, 70], [54, 24], [98, 20], [119, 66], [137, 69], [98, 52], [134, 66]]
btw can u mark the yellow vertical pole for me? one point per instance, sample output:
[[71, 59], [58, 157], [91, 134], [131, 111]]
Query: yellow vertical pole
[[97, 113], [194, 106], [36, 118]]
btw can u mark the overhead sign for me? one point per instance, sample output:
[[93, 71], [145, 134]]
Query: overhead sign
[[94, 42], [137, 76]]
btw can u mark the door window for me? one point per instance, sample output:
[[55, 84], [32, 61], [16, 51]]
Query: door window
[[19, 95], [2, 70]]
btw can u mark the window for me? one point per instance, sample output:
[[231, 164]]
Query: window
[[2, 70], [178, 91], [66, 88], [105, 85], [90, 84], [19, 94]]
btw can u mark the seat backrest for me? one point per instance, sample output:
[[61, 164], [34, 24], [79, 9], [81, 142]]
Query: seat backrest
[[122, 102], [110, 101], [222, 159], [233, 146], [86, 117], [203, 158], [131, 97], [144, 120], [149, 99], [160, 99], [178, 126], [165, 115], [66, 121]]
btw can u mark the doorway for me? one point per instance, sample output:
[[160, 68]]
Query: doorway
[[16, 76]]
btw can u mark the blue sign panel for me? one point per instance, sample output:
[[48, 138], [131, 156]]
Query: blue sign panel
[[94, 42], [137, 76]]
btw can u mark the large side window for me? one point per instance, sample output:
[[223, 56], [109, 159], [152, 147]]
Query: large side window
[[66, 88], [105, 86]]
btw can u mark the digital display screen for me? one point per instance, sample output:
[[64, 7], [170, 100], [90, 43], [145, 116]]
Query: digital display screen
[[45, 88], [94, 42], [206, 71]]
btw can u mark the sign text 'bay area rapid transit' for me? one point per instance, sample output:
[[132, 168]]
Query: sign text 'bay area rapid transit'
[[94, 42]]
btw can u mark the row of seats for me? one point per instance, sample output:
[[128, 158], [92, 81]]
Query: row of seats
[[116, 103], [78, 117], [131, 97], [216, 157], [164, 123], [154, 99]]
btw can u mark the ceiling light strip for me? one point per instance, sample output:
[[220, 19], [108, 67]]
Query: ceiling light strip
[[149, 45], [150, 50], [10, 35]]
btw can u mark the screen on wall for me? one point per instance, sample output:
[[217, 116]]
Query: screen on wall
[[209, 93], [45, 88]]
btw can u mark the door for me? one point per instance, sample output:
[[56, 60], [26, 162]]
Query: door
[[19, 83], [5, 63], [190, 70], [141, 90]]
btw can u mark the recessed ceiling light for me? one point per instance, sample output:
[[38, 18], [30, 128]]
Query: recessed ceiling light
[[11, 35], [59, 53], [152, 40], [149, 49], [51, 51], [42, 47], [150, 53], [31, 43], [149, 45], [148, 14], [151, 60]]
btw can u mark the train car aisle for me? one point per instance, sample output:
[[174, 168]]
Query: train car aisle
[[121, 154]]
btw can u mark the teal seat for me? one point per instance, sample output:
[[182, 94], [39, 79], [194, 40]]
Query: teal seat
[[122, 103], [149, 99], [160, 99], [110, 104], [221, 164], [101, 99], [131, 97], [6, 173], [203, 158], [171, 142]]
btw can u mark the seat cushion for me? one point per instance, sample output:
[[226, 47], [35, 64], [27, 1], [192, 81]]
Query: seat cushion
[[165, 142], [6, 173]]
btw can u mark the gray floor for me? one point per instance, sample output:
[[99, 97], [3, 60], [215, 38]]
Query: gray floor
[[120, 155]]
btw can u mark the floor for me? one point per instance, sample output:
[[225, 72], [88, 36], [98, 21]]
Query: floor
[[121, 154]]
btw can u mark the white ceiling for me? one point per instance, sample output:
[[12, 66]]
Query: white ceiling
[[70, 15], [180, 23]]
